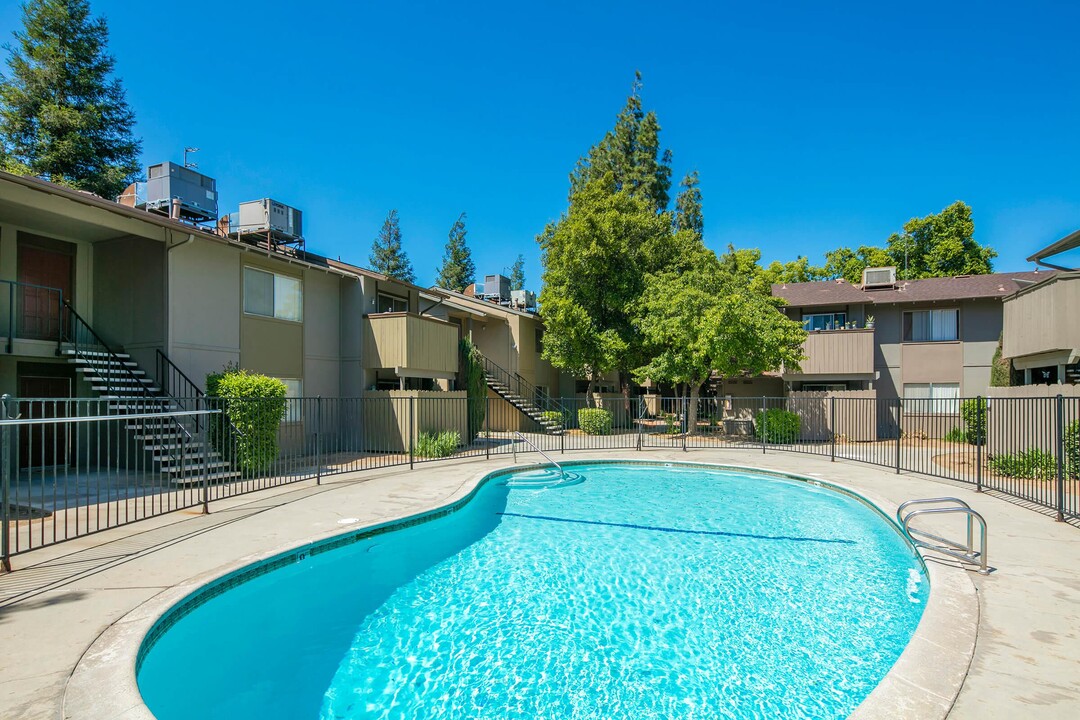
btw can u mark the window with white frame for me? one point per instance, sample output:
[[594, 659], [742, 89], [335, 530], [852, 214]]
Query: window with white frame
[[932, 398], [271, 295], [932, 325], [392, 303], [824, 321], [294, 391]]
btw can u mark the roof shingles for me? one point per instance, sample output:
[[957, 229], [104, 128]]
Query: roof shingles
[[963, 287]]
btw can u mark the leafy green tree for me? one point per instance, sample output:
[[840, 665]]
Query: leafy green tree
[[62, 114], [387, 256], [938, 245], [594, 258], [794, 271], [517, 274], [631, 153], [688, 211], [703, 318], [457, 271]]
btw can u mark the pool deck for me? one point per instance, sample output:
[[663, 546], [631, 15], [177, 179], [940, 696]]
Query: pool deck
[[63, 599]]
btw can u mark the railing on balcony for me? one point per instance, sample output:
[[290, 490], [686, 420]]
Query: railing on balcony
[[31, 312], [404, 340]]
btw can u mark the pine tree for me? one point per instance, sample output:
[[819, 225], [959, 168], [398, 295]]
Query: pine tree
[[688, 214], [62, 115], [457, 270], [631, 153], [517, 274], [387, 256]]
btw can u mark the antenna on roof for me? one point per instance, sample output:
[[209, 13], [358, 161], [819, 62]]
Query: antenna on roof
[[192, 165]]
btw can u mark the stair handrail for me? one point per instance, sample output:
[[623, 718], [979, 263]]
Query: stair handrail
[[167, 372], [523, 388], [73, 338]]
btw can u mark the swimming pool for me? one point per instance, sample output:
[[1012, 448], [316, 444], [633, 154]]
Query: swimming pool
[[644, 591]]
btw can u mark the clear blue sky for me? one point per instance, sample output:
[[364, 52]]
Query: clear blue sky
[[812, 124]]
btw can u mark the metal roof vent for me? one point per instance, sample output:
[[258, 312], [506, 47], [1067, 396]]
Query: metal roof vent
[[879, 277]]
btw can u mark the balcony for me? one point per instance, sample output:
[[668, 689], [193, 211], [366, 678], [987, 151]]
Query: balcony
[[836, 353], [411, 345]]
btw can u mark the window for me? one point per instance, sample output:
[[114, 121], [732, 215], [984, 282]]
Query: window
[[294, 390], [392, 303], [932, 398], [539, 340], [824, 321], [272, 295], [932, 325]]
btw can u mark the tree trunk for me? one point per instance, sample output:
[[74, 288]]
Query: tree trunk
[[691, 411], [625, 381], [589, 401]]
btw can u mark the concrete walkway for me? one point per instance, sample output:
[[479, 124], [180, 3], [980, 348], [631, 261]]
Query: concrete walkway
[[60, 599]]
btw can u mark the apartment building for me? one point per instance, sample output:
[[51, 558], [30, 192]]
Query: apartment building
[[920, 339], [173, 295], [1042, 335]]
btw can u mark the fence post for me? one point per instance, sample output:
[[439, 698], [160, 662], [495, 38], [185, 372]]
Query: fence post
[[761, 429], [205, 442], [640, 415], [832, 426], [487, 426], [899, 430], [412, 433], [1060, 515], [6, 458], [982, 437], [685, 421], [318, 439]]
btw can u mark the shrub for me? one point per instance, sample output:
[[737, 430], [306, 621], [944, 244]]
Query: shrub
[[956, 434], [778, 426], [973, 413], [671, 424], [594, 421], [255, 405], [1072, 448], [554, 416], [475, 382], [431, 445], [1032, 463]]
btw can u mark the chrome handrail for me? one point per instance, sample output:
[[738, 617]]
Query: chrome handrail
[[970, 555], [951, 502], [527, 441]]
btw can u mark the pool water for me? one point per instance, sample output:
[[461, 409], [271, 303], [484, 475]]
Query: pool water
[[641, 592]]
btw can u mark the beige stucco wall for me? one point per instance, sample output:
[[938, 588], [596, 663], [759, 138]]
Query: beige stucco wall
[[204, 307], [322, 333], [386, 415]]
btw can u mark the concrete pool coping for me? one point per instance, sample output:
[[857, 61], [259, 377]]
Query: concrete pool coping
[[923, 684]]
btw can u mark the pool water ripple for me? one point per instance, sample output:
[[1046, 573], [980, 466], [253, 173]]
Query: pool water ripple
[[643, 592]]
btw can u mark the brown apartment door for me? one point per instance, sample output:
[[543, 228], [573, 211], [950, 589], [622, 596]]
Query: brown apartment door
[[43, 445], [40, 268]]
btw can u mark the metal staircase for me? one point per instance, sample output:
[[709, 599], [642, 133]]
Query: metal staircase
[[178, 448], [524, 397]]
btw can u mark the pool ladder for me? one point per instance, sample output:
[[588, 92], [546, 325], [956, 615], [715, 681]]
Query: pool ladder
[[964, 552]]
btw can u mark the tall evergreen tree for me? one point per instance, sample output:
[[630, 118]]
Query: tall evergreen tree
[[631, 153], [387, 256], [517, 274], [62, 114], [688, 212], [457, 271]]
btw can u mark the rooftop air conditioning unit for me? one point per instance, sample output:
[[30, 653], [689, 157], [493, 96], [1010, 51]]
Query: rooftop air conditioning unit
[[524, 299], [497, 288], [879, 277], [174, 190], [268, 216]]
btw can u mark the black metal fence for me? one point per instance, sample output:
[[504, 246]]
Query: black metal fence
[[75, 467]]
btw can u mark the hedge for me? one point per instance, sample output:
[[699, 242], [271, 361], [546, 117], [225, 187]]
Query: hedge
[[255, 405], [973, 413], [475, 382], [430, 445], [1033, 463], [554, 416], [778, 426], [594, 421]]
